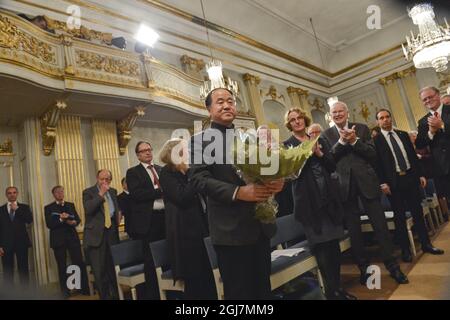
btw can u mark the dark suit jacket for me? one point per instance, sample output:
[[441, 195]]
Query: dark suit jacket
[[308, 201], [186, 223], [230, 222], [440, 145], [355, 163], [386, 170], [61, 233], [95, 216], [143, 195], [13, 234], [124, 201]]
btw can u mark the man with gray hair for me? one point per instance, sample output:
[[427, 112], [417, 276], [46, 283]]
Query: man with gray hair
[[434, 132], [314, 130], [355, 156], [445, 99]]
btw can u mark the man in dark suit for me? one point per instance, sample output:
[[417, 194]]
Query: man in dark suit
[[14, 240], [242, 243], [401, 178], [62, 218], [434, 131], [124, 200], [356, 157], [100, 232], [147, 209]]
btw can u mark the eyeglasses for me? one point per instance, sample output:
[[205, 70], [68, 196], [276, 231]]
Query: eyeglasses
[[429, 98], [145, 150]]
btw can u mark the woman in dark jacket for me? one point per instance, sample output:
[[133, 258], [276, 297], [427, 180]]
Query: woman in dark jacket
[[186, 224], [318, 208]]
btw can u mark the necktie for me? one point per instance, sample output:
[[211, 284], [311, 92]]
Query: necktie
[[398, 152], [107, 213], [12, 213], [436, 114], [155, 177]]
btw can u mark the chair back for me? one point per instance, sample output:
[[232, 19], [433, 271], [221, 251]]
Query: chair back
[[160, 253], [288, 229], [127, 253]]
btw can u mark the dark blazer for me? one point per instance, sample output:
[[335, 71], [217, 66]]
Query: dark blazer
[[230, 222], [143, 195], [306, 192], [440, 145], [61, 233], [386, 170], [13, 234], [95, 216], [356, 162], [186, 223], [124, 201]]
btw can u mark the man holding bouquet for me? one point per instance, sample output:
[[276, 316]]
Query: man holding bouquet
[[242, 242]]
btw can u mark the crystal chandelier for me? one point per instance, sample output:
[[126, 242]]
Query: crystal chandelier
[[431, 47], [214, 70]]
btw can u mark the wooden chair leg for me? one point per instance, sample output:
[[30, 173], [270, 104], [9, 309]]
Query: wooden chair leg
[[411, 242], [133, 293]]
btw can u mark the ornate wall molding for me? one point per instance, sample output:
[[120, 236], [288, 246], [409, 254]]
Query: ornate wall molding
[[192, 66], [81, 33], [125, 126], [6, 148], [49, 121]]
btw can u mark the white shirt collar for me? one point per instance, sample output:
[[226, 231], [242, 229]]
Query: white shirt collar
[[146, 164], [439, 110], [337, 127], [386, 133]]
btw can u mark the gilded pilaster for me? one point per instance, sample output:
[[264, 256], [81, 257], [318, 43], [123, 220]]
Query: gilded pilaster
[[49, 121], [409, 80], [251, 84], [106, 150], [70, 161], [299, 98], [33, 163], [392, 90]]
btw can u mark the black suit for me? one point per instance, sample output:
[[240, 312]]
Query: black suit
[[146, 223], [186, 226], [98, 240], [15, 242], [124, 200], [405, 187], [241, 242], [440, 149], [63, 238], [358, 179]]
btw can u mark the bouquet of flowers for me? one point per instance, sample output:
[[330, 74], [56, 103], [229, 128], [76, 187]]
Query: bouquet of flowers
[[258, 162]]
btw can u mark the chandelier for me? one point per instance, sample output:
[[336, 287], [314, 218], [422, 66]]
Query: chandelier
[[431, 47], [214, 70]]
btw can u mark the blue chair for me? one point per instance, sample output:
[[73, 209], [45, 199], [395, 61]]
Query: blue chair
[[160, 254], [366, 226], [129, 265], [433, 201]]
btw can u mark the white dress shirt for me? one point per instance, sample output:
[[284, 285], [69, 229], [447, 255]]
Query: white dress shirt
[[400, 144], [9, 206], [439, 111], [158, 204]]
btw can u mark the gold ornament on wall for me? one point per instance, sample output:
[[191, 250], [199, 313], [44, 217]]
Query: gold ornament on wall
[[13, 38], [49, 121], [274, 94], [80, 33], [317, 104], [95, 61], [6, 148], [125, 126]]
